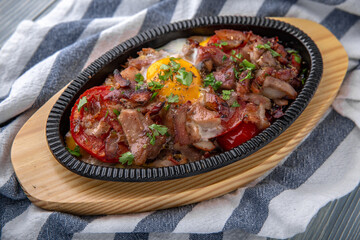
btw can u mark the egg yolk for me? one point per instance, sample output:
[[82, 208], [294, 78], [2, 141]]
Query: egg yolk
[[172, 86], [205, 42]]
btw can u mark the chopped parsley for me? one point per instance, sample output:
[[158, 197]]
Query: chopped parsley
[[248, 65], [107, 113], [127, 158], [139, 78], [268, 47], [235, 104], [296, 55], [248, 76], [291, 51], [154, 95], [156, 130], [173, 98], [224, 58], [226, 94], [155, 85], [75, 152], [164, 67], [233, 59], [210, 80], [222, 43], [174, 65], [233, 52], [169, 69], [239, 55], [82, 102], [297, 58], [112, 89], [116, 112], [303, 78], [184, 77]]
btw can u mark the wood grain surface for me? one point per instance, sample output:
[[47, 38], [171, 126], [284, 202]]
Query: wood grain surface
[[51, 186]]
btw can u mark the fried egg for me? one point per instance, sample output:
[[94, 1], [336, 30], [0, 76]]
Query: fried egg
[[172, 86]]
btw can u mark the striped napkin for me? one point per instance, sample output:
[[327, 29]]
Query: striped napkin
[[43, 56]]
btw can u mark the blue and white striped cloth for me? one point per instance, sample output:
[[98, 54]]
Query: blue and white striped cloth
[[43, 56]]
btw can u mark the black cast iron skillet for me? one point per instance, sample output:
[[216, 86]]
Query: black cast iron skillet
[[58, 121]]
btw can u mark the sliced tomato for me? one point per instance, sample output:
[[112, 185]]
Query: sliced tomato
[[238, 135], [213, 39], [95, 127]]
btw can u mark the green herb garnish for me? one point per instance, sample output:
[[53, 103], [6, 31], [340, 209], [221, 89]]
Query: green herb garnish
[[155, 85], [139, 78], [112, 89], [173, 98], [233, 52], [226, 94], [268, 47], [184, 77], [239, 55], [116, 112], [82, 102], [107, 113], [126, 158], [210, 80], [175, 66], [156, 130], [222, 43], [75, 152], [233, 59], [235, 104], [154, 95], [248, 65], [224, 58], [248, 76]]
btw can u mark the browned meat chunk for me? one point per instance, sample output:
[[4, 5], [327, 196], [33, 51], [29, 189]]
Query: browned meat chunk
[[232, 37], [274, 88], [226, 76], [136, 127], [179, 119], [129, 73]]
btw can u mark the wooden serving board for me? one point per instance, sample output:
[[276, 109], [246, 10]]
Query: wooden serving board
[[51, 186]]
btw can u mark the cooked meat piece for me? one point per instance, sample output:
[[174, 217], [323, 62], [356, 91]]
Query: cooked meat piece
[[279, 49], [213, 53], [204, 117], [114, 145], [205, 145], [190, 153], [233, 38], [130, 98], [188, 48], [179, 119], [256, 114], [97, 128], [267, 60], [257, 99], [262, 73], [215, 103], [274, 88], [285, 74], [226, 76], [146, 57], [120, 82], [168, 119], [281, 102], [141, 96], [129, 73], [206, 121], [244, 85], [136, 128]]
